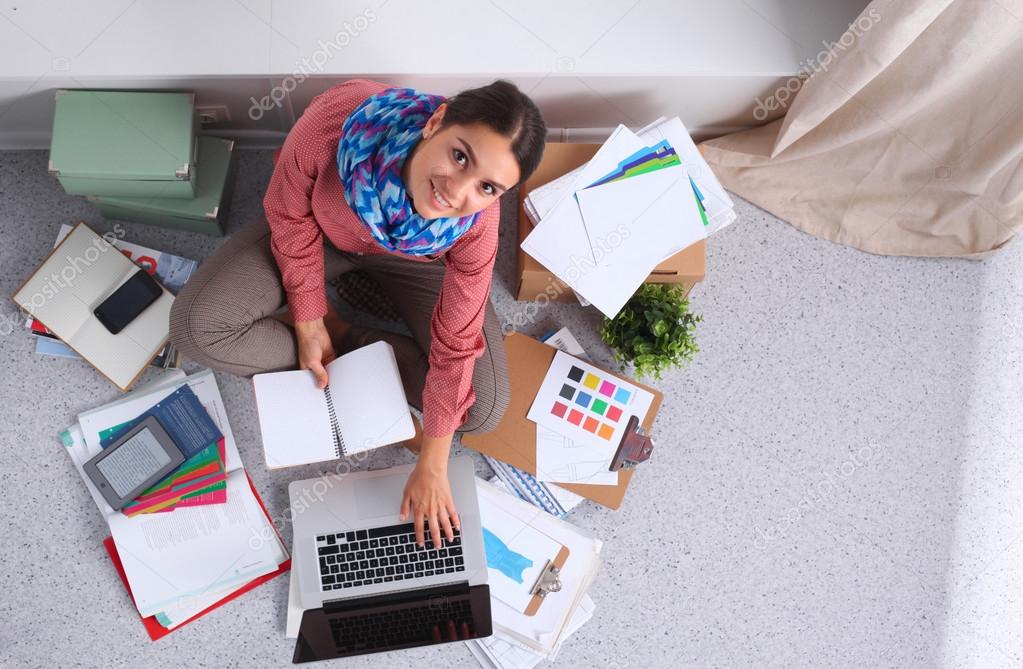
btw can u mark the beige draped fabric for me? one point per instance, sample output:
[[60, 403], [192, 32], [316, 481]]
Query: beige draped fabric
[[906, 140]]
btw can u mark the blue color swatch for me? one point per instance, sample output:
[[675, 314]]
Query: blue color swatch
[[504, 559]]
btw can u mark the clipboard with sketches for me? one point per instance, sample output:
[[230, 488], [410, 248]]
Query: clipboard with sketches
[[539, 567], [514, 439], [524, 562]]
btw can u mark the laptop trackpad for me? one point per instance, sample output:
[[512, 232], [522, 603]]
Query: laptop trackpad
[[380, 496]]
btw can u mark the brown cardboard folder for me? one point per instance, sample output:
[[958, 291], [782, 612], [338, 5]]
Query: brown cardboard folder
[[514, 439]]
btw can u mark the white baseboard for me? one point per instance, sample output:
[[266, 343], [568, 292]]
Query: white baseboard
[[272, 139]]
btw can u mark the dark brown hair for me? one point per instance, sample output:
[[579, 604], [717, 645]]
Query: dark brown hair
[[507, 111]]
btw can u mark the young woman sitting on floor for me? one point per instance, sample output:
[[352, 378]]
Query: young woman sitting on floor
[[404, 186]]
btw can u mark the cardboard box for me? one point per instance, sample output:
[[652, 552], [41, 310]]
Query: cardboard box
[[119, 143], [206, 213], [685, 267]]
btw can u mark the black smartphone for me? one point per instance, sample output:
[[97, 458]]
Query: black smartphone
[[128, 301]]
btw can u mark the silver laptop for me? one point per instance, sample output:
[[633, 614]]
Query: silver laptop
[[364, 583]]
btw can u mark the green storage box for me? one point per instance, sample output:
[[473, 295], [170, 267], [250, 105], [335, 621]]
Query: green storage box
[[124, 143], [207, 212]]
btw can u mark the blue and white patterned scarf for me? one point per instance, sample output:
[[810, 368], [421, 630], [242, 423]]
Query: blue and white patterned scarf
[[376, 138]]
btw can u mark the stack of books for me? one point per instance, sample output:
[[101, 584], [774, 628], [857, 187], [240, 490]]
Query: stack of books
[[205, 537], [81, 274], [137, 156], [170, 270], [642, 199]]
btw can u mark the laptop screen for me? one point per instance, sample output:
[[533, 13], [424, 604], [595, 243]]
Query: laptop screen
[[393, 621]]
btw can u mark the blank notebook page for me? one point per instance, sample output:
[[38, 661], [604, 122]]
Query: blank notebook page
[[293, 419], [368, 398]]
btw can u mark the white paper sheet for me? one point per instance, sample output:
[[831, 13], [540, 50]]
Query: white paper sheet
[[559, 241], [716, 202], [187, 553], [520, 555], [562, 460], [564, 340], [500, 651], [633, 225]]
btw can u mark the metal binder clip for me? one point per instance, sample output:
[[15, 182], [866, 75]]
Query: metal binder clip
[[548, 582], [635, 448]]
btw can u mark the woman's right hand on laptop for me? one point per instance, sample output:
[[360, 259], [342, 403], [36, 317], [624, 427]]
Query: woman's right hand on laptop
[[314, 349], [427, 495]]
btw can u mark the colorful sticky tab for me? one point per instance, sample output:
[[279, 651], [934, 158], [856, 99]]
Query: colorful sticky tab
[[575, 416], [590, 425], [605, 431], [613, 413], [622, 395], [583, 399], [607, 388], [559, 409], [591, 381], [599, 406]]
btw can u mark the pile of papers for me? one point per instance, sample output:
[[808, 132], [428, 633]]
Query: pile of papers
[[520, 540], [641, 199], [183, 561]]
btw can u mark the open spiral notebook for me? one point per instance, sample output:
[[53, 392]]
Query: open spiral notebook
[[362, 407]]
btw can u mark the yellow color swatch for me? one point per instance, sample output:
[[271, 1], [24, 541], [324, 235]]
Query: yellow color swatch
[[591, 381]]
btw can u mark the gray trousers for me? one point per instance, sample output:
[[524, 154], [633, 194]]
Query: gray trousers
[[222, 319]]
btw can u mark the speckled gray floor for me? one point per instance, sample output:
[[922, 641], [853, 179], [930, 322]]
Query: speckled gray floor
[[838, 480]]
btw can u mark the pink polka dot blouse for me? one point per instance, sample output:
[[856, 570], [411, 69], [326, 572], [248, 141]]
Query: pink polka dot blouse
[[304, 203]]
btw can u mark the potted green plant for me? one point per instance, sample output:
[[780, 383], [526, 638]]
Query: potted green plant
[[654, 331]]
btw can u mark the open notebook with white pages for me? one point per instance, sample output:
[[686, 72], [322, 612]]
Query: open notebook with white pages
[[363, 407]]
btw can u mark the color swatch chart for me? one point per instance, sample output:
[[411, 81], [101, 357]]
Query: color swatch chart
[[590, 402], [583, 402]]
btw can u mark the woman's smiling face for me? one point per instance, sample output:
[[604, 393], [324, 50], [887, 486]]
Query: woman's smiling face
[[470, 166]]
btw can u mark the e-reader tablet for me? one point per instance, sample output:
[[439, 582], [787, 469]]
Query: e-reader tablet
[[139, 458]]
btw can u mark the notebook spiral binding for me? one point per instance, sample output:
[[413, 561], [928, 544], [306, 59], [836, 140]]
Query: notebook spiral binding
[[335, 427]]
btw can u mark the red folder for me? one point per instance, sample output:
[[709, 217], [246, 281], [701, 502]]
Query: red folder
[[154, 628]]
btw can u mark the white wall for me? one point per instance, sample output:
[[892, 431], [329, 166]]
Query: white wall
[[589, 65]]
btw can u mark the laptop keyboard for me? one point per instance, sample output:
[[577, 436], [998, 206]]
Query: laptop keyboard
[[384, 555], [419, 624]]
